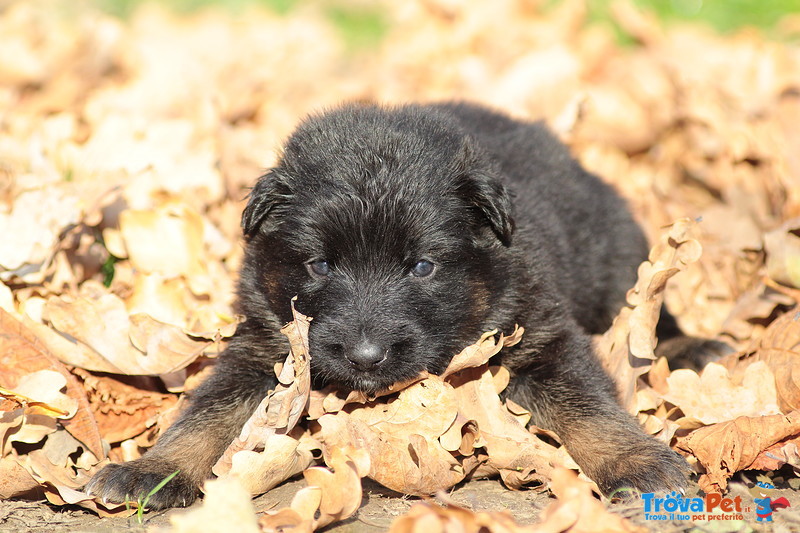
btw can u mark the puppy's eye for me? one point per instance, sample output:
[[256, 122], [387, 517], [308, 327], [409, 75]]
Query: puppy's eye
[[319, 268], [422, 269]]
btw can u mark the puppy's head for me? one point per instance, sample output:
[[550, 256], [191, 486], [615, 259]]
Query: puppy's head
[[387, 224]]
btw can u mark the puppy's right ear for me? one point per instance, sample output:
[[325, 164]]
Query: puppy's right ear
[[269, 194], [479, 186]]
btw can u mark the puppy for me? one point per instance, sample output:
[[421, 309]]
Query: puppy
[[405, 233]]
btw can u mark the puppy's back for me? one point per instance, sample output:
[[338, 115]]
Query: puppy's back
[[585, 226]]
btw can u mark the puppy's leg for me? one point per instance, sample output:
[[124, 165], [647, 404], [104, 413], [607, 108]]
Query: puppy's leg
[[567, 391], [216, 413]]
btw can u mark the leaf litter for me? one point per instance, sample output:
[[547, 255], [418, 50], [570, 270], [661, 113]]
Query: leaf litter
[[126, 150]]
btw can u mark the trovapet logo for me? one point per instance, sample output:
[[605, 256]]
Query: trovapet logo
[[763, 494], [675, 506]]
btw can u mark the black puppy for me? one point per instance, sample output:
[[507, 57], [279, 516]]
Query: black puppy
[[406, 233]]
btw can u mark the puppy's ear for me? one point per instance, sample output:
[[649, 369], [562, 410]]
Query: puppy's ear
[[480, 187], [270, 193]]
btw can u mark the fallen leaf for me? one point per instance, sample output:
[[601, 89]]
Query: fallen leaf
[[331, 496], [226, 503], [779, 350], [725, 448], [577, 510], [401, 437], [783, 253], [22, 354], [428, 517], [277, 414], [112, 341], [713, 396], [167, 240], [627, 348], [781, 453]]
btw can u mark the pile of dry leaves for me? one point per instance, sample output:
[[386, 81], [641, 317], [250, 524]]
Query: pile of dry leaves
[[126, 150]]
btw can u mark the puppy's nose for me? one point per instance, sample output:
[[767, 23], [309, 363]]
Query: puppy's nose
[[366, 355]]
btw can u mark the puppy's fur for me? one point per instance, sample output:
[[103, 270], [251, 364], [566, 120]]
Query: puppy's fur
[[406, 233]]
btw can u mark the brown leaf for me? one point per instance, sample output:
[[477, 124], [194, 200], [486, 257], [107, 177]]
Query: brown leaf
[[510, 447], [111, 341], [627, 348], [783, 253], [725, 448], [17, 482], [226, 502], [124, 409], [427, 517], [577, 510], [401, 437], [779, 349], [774, 457], [330, 496], [22, 353], [713, 396], [277, 414]]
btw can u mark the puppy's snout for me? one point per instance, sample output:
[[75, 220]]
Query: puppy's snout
[[366, 354]]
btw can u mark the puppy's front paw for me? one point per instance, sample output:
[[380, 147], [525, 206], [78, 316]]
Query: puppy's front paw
[[135, 480], [649, 466]]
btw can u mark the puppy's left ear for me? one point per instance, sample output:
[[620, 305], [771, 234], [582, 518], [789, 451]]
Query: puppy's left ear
[[480, 187], [269, 194]]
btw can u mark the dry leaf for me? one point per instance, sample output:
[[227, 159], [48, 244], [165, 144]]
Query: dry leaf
[[627, 348], [21, 353], [577, 510], [276, 416], [427, 517], [714, 397], [401, 438], [777, 455], [226, 503], [330, 496], [514, 452], [725, 448], [167, 241], [111, 341], [779, 349], [783, 253]]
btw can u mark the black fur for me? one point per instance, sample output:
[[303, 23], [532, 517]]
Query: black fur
[[517, 233]]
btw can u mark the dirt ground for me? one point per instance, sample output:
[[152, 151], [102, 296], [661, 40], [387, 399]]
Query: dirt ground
[[382, 506]]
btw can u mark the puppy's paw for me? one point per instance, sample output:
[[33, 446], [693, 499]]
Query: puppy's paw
[[133, 481], [649, 466]]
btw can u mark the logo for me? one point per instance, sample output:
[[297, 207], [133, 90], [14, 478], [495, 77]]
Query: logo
[[762, 494], [674, 506]]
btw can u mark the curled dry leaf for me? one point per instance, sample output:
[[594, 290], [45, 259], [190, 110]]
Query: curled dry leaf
[[783, 253], [426, 438], [781, 453], [779, 350], [713, 396], [479, 353], [124, 410], [21, 353], [577, 510], [427, 517], [725, 448], [515, 453], [405, 452], [109, 340], [226, 503], [274, 418], [627, 348], [330, 496]]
